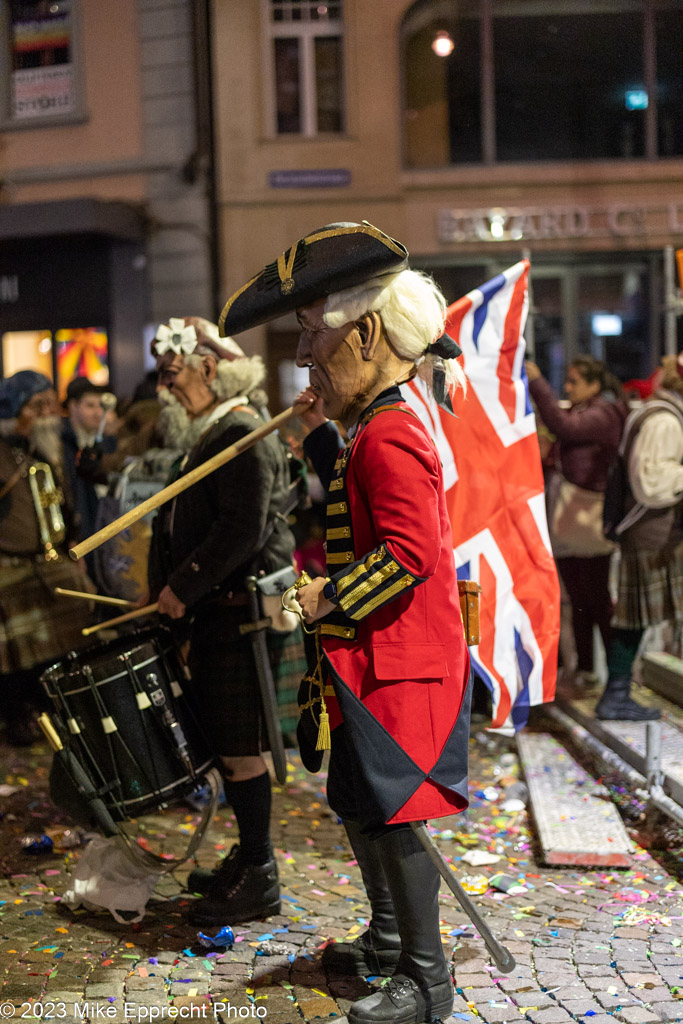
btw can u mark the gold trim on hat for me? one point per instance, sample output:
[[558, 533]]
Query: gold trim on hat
[[355, 229], [285, 269], [228, 304]]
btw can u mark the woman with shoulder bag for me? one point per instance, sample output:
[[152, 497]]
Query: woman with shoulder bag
[[588, 436]]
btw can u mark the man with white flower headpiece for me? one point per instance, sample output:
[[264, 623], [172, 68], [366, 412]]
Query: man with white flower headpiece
[[225, 528]]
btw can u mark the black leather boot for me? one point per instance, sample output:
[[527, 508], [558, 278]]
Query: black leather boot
[[377, 950], [252, 892], [616, 704], [421, 990], [200, 879]]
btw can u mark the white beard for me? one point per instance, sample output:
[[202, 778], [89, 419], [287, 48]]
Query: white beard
[[46, 438], [177, 428]]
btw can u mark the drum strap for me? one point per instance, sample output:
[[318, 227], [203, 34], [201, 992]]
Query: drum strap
[[163, 865]]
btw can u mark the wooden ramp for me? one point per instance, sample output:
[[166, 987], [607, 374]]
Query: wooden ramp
[[663, 673], [575, 819]]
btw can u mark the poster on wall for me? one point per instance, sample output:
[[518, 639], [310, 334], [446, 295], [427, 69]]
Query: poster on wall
[[43, 81], [40, 91], [82, 352]]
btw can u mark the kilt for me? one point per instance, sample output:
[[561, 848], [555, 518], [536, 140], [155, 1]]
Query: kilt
[[36, 626], [650, 587], [225, 686]]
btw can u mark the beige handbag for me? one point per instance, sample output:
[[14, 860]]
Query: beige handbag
[[575, 520]]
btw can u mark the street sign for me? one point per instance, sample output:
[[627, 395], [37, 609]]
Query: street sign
[[317, 178]]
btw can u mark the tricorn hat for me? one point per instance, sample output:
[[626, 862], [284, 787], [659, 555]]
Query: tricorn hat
[[329, 260]]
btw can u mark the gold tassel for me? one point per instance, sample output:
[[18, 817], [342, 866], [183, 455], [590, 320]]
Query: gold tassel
[[324, 737]]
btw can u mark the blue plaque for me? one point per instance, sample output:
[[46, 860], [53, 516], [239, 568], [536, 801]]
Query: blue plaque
[[319, 178]]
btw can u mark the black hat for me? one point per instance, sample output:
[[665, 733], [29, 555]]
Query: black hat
[[80, 386], [329, 260]]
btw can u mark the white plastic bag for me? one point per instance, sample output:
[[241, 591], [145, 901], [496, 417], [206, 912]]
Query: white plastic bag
[[107, 876]]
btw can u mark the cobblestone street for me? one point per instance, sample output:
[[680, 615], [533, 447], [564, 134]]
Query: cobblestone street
[[592, 945]]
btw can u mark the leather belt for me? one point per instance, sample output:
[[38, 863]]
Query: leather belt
[[7, 561]]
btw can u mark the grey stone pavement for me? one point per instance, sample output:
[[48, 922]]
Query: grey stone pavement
[[598, 946]]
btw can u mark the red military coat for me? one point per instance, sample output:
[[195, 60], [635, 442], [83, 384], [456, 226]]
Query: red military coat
[[396, 648]]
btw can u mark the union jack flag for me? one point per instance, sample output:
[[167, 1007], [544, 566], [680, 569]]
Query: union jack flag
[[494, 489]]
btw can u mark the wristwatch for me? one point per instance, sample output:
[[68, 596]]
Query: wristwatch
[[330, 592]]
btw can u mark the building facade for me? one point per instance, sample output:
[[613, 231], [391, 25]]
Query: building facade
[[105, 182], [476, 132]]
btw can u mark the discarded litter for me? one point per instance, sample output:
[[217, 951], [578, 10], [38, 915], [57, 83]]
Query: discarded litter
[[37, 844], [224, 939], [513, 806], [478, 857], [508, 884]]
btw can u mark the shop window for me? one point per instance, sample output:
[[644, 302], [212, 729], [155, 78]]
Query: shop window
[[529, 80], [306, 61], [60, 354], [82, 352], [669, 35], [41, 82], [578, 93], [442, 116], [27, 350], [549, 330], [613, 316]]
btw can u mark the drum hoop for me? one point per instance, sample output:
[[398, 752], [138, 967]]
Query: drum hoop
[[111, 679], [165, 789]]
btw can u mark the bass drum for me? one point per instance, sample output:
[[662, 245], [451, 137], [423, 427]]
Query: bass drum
[[122, 714]]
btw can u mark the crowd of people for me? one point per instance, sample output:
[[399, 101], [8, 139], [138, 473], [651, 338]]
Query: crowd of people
[[388, 682], [600, 451]]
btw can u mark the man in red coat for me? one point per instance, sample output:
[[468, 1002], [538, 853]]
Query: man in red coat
[[388, 610]]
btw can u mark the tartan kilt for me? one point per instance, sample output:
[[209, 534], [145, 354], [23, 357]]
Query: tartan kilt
[[650, 587], [225, 685], [37, 626], [288, 662]]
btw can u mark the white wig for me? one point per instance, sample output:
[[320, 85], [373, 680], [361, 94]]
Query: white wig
[[233, 376], [413, 312]]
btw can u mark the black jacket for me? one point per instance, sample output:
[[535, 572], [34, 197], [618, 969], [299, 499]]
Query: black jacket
[[83, 474], [216, 532]]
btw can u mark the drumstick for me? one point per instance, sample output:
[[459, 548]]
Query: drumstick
[[149, 609], [161, 497], [118, 601]]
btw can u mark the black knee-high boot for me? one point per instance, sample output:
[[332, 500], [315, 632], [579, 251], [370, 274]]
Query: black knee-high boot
[[421, 990], [616, 703], [377, 950]]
